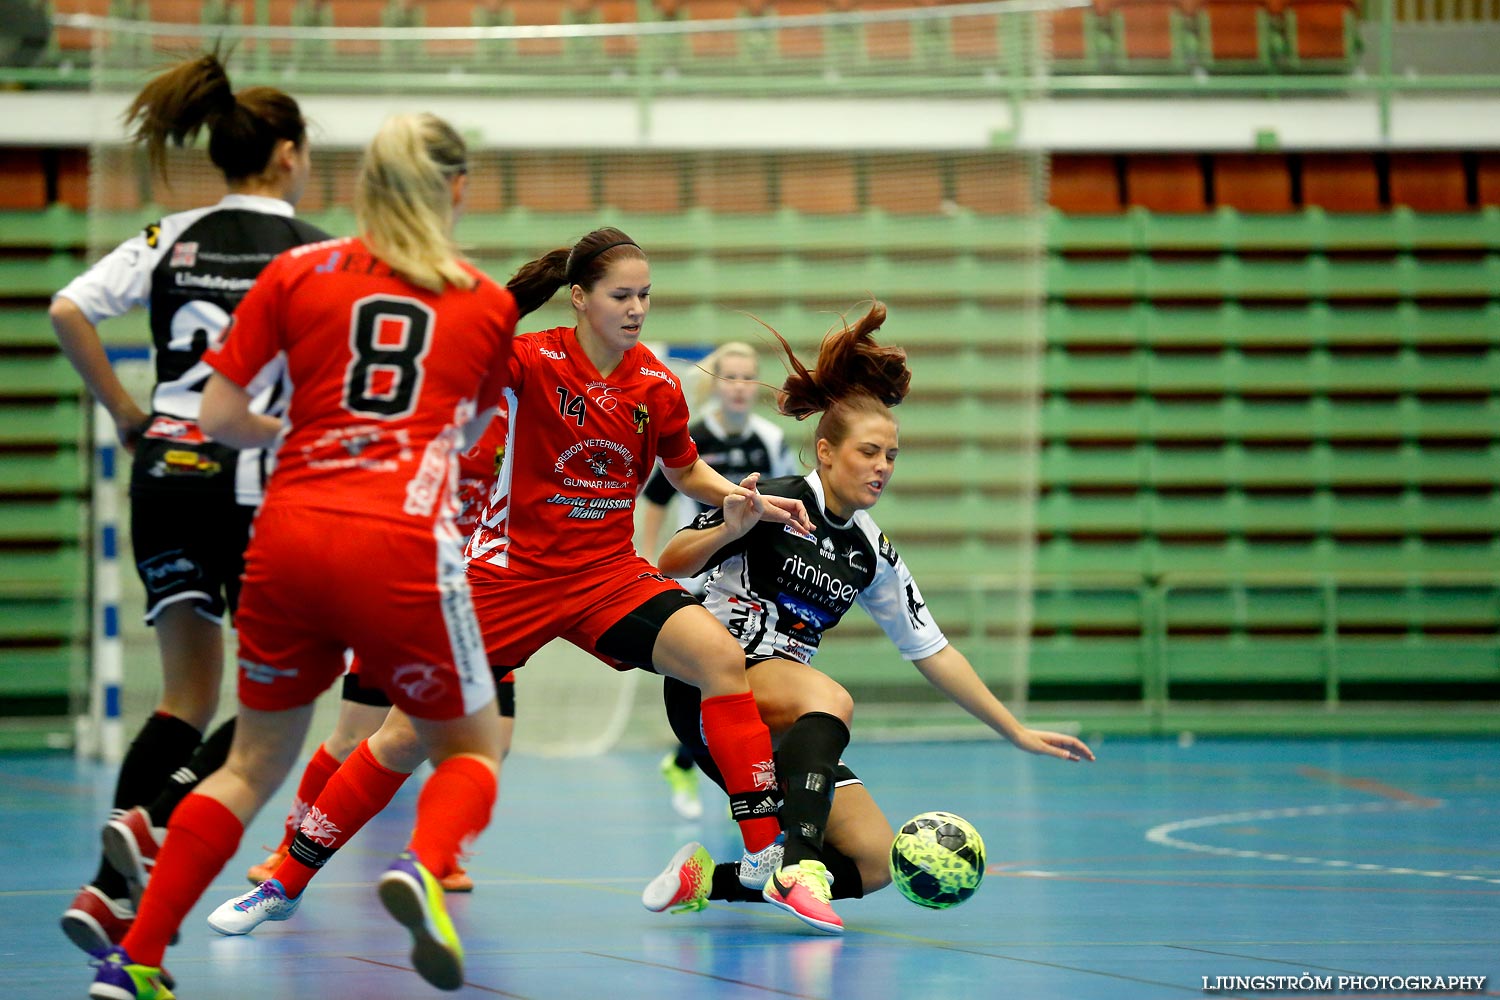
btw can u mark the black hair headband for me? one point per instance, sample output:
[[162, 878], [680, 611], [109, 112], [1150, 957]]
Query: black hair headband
[[574, 267]]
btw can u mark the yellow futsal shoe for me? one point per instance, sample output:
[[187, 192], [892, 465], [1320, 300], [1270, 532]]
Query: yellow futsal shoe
[[414, 897]]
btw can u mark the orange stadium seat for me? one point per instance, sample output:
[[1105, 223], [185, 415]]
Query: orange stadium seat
[[980, 185], [358, 14], [733, 183], [651, 183], [1252, 182], [1320, 29], [795, 43], [77, 39], [905, 185], [450, 14], [1144, 27], [1236, 30], [885, 41], [486, 191], [1165, 183], [23, 180], [1429, 182], [819, 184], [1489, 178], [709, 45], [73, 178], [1341, 182], [619, 12], [557, 182], [540, 12], [1085, 184]]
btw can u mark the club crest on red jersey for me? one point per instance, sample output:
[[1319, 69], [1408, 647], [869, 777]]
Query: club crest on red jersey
[[642, 418]]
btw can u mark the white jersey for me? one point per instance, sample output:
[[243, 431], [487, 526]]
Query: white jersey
[[190, 271]]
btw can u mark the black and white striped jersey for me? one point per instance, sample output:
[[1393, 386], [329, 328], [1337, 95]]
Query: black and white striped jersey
[[778, 590], [189, 271]]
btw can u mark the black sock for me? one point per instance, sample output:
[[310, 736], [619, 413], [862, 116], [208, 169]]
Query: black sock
[[208, 758], [684, 759], [805, 762], [726, 885], [848, 883], [164, 743]]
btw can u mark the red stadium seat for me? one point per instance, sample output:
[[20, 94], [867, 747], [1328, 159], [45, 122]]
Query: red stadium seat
[[1429, 182], [905, 185], [1070, 34], [23, 180], [1489, 178], [450, 14], [795, 43], [1320, 30], [486, 191], [714, 44], [1238, 31], [1146, 30], [1341, 182], [981, 184], [650, 183], [819, 184], [77, 39], [1085, 184], [358, 14], [73, 178], [733, 184], [1252, 182], [1165, 183], [619, 12], [558, 182]]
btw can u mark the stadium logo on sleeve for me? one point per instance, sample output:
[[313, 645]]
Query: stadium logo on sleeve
[[888, 551]]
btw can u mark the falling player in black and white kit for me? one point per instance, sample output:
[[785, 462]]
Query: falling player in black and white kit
[[735, 441], [778, 592], [192, 500]]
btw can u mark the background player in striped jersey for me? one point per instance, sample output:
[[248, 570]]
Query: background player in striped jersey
[[777, 592], [191, 499], [735, 441], [394, 345]]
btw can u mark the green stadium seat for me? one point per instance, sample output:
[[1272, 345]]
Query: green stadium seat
[[39, 671], [43, 572], [34, 375], [63, 470], [61, 519], [32, 620], [40, 423], [37, 277]]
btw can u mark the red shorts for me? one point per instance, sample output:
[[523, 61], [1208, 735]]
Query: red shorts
[[317, 583], [520, 615]]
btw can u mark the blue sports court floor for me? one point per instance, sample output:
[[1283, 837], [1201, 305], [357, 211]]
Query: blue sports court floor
[[1135, 877]]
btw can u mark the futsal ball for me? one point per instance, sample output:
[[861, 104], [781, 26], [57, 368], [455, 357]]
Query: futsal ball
[[937, 860]]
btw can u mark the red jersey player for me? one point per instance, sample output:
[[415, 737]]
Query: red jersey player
[[393, 344], [589, 409]]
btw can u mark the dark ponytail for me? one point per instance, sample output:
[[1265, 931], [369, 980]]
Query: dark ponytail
[[852, 375], [243, 128], [583, 264]]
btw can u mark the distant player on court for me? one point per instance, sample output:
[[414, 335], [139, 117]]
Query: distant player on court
[[394, 345]]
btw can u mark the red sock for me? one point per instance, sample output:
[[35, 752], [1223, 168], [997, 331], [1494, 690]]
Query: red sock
[[319, 770], [358, 790], [201, 837], [740, 745], [452, 810]]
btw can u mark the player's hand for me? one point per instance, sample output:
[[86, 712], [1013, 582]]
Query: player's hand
[[1064, 747], [777, 510], [130, 425]]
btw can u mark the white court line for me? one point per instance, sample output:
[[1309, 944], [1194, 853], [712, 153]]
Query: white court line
[[1165, 836]]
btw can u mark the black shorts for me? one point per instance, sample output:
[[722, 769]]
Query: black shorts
[[685, 717], [632, 639], [360, 694], [189, 546]]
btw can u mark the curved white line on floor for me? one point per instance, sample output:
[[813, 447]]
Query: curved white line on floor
[[1165, 835]]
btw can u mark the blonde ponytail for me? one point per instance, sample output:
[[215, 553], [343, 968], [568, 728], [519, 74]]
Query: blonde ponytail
[[402, 201]]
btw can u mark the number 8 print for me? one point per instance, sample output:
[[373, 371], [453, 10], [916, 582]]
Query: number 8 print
[[389, 336]]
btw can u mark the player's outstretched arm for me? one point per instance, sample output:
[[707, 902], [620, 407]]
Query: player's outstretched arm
[[703, 484], [225, 416], [950, 672]]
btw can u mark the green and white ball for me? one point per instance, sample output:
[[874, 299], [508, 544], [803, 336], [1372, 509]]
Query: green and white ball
[[937, 860]]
